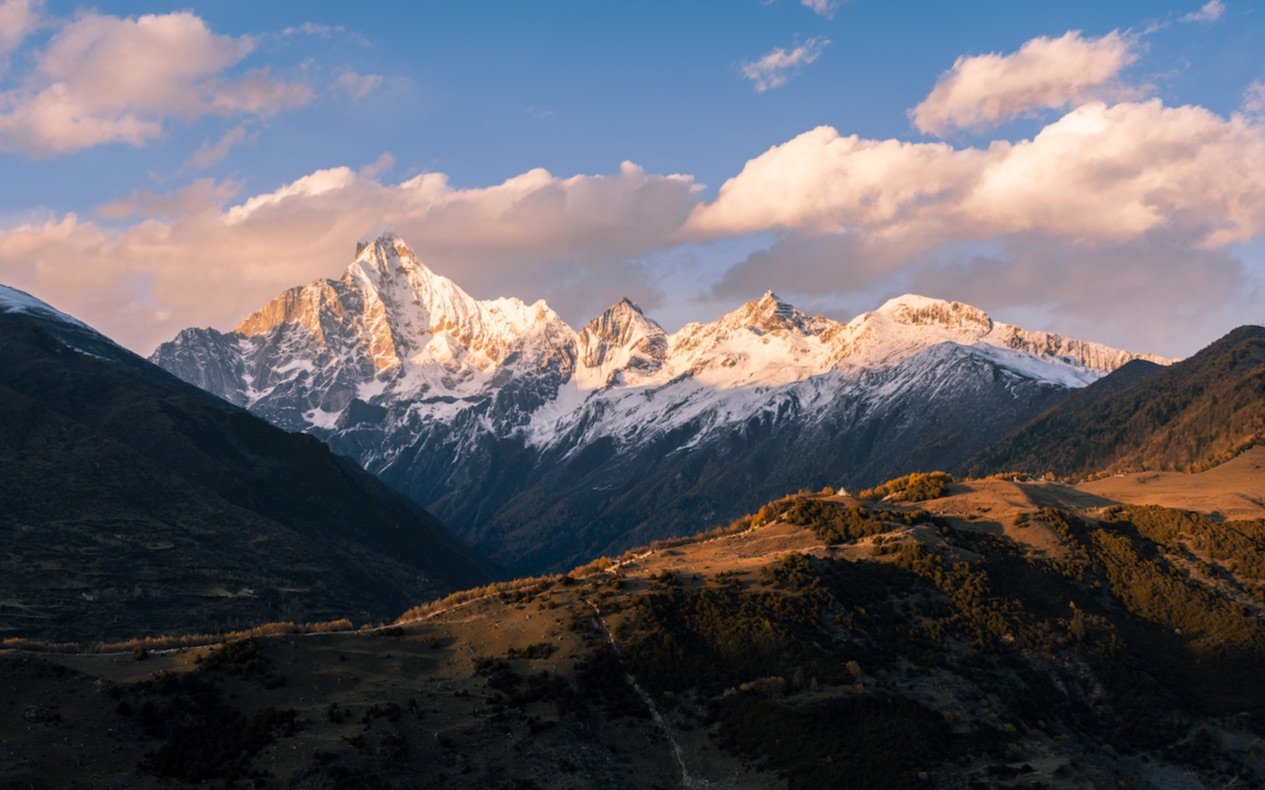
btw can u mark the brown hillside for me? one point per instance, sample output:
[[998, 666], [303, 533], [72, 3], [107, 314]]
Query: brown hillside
[[1006, 633]]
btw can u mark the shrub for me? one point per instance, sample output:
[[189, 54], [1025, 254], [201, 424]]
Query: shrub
[[916, 487]]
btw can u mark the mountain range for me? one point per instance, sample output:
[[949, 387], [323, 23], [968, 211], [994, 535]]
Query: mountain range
[[544, 446], [999, 631], [136, 504]]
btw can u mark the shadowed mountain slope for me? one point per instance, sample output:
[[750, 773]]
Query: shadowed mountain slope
[[135, 503], [1189, 416]]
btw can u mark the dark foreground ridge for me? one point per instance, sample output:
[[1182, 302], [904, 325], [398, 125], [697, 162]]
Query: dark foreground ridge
[[136, 504]]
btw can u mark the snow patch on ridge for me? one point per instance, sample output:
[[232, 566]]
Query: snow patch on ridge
[[14, 301]]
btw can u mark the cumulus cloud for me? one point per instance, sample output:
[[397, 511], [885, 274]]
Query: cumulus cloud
[[778, 66], [1135, 188], [1209, 12], [1099, 174], [823, 181], [202, 256], [1123, 205], [105, 79], [985, 90]]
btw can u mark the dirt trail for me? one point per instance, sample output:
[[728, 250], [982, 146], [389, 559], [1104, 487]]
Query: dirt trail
[[687, 780]]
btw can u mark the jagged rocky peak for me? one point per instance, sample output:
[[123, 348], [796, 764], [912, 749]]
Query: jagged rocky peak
[[300, 305], [916, 310], [623, 327], [383, 255], [621, 323], [381, 240], [772, 304], [770, 314]]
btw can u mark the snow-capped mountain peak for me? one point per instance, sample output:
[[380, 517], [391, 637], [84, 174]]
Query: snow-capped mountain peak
[[908, 324], [915, 310], [619, 344], [392, 330], [470, 403], [769, 314], [383, 234]]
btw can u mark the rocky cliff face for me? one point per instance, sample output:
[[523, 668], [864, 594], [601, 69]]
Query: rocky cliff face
[[545, 445]]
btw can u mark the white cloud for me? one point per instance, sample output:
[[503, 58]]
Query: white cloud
[[203, 195], [18, 18], [313, 29], [106, 79], [824, 182], [208, 154], [256, 92], [323, 31], [1120, 222], [357, 86], [824, 8], [204, 262], [1209, 12], [1254, 99], [1099, 174], [985, 90], [1136, 205], [382, 164], [311, 186], [774, 69]]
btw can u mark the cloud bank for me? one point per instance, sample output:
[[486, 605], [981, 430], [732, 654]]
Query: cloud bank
[[1120, 220]]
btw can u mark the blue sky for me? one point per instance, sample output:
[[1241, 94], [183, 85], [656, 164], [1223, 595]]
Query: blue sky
[[1086, 168]]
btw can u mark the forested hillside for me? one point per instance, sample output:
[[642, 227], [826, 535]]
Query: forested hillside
[[1002, 635], [1187, 417]]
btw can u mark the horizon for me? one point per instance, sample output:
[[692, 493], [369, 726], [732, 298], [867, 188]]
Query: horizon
[[1080, 170]]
